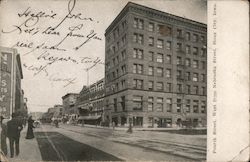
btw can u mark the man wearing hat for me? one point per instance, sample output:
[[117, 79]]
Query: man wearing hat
[[14, 127]]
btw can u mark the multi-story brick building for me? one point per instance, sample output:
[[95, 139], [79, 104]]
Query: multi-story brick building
[[90, 103], [69, 102], [155, 74], [11, 75]]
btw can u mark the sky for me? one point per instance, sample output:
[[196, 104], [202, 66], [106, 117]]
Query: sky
[[55, 62]]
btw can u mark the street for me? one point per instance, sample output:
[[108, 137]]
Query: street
[[57, 147], [76, 143], [90, 143]]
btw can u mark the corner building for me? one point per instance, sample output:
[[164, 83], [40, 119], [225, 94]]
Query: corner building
[[155, 72]]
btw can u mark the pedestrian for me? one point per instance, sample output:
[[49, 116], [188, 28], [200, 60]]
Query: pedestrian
[[113, 124], [82, 123], [30, 134], [3, 135], [14, 127]]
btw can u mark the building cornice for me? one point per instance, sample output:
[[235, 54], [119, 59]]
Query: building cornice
[[150, 12]]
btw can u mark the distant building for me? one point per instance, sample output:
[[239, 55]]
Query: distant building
[[90, 103], [155, 73], [36, 115], [69, 101], [53, 113]]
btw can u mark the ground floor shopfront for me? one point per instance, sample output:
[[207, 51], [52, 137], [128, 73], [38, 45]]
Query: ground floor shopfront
[[147, 120], [155, 109]]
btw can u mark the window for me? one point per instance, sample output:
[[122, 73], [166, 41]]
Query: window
[[196, 106], [168, 73], [159, 43], [160, 71], [138, 38], [108, 65], [138, 84], [169, 87], [196, 90], [118, 59], [203, 64], [159, 57], [151, 56], [123, 84], [137, 102], [159, 86], [169, 104], [123, 103], [203, 38], [117, 86], [188, 106], [151, 41], [195, 64], [151, 70], [188, 62], [195, 38], [150, 103], [168, 45], [118, 45], [179, 47], [178, 108], [138, 53], [195, 51], [137, 69], [179, 88], [203, 52], [188, 89], [188, 76], [117, 72], [123, 54], [179, 74], [123, 69], [179, 33], [115, 104], [164, 30], [124, 39], [124, 24], [113, 74], [203, 106], [150, 85], [159, 106], [203, 91], [114, 34], [151, 27], [138, 23], [188, 49], [187, 36], [108, 38], [168, 59], [178, 61], [195, 77], [203, 78]]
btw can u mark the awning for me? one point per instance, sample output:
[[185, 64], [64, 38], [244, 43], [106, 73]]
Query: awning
[[89, 117]]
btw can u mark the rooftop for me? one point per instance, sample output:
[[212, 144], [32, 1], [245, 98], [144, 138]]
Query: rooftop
[[154, 11]]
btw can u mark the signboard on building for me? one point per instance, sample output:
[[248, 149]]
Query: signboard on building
[[6, 82]]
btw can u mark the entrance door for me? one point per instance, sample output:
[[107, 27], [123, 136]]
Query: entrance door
[[137, 121]]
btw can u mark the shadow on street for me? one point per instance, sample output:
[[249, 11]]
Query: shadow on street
[[57, 147]]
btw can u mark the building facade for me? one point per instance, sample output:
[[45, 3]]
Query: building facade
[[69, 101], [12, 95], [90, 103], [155, 73]]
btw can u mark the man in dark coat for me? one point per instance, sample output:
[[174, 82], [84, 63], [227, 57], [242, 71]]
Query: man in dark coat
[[14, 127]]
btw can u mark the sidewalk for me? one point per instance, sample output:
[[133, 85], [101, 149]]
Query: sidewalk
[[29, 150]]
